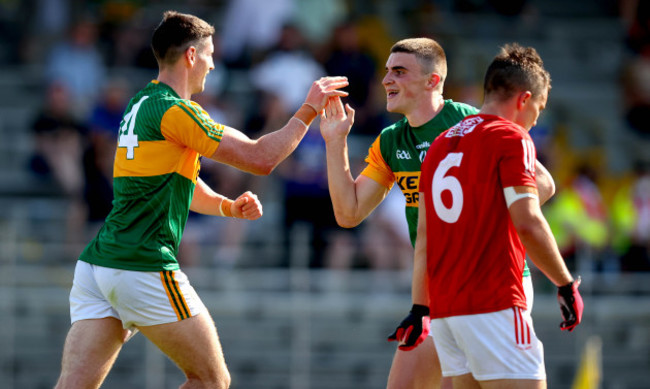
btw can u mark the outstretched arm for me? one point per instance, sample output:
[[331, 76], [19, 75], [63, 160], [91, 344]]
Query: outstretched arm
[[352, 200], [262, 155]]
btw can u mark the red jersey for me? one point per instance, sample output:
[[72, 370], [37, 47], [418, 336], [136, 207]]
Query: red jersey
[[475, 259]]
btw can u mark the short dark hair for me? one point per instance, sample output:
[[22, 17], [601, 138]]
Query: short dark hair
[[175, 33], [428, 52], [515, 69]]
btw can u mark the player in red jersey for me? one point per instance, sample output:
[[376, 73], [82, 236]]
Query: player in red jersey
[[480, 212]]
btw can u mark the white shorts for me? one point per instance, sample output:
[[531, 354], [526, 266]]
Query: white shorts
[[529, 292], [136, 298], [495, 345]]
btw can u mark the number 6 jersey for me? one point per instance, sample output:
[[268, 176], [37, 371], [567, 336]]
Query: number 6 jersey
[[476, 260], [161, 137]]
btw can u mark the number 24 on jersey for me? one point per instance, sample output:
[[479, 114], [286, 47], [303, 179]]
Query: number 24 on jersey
[[128, 138]]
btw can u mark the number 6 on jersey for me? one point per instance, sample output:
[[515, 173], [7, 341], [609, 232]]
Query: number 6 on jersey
[[441, 183], [127, 137]]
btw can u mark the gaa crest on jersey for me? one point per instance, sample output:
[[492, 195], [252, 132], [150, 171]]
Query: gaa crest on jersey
[[403, 154], [465, 127]]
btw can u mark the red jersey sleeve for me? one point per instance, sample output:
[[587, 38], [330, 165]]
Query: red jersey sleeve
[[518, 155]]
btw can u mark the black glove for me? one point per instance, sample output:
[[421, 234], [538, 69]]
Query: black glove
[[571, 305], [413, 329]]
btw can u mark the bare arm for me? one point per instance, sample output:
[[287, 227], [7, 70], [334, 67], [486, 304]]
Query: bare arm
[[419, 286], [536, 236], [208, 202], [352, 200], [545, 183], [262, 155]]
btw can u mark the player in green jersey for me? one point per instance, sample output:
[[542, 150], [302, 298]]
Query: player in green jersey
[[415, 73], [128, 277]]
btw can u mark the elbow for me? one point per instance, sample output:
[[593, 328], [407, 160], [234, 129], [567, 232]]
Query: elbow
[[525, 230], [262, 168], [550, 190], [346, 222], [263, 171]]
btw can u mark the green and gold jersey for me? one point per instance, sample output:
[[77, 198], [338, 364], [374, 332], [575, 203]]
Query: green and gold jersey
[[161, 137], [397, 154]]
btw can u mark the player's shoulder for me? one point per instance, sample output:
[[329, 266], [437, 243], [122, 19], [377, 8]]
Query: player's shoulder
[[500, 127], [394, 128], [462, 108]]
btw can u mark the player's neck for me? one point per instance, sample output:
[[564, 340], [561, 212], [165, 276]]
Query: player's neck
[[177, 82], [425, 112], [506, 111]]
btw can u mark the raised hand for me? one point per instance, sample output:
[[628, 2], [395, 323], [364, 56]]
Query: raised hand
[[336, 121], [321, 90]]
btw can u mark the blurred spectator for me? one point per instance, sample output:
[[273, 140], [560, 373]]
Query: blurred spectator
[[636, 16], [128, 43], [103, 124], [636, 93], [307, 202], [59, 141], [346, 57], [631, 219], [317, 18], [51, 17], [385, 240], [579, 221], [79, 65], [250, 27], [288, 70]]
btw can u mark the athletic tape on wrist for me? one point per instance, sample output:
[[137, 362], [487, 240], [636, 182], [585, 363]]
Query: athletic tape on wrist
[[224, 207]]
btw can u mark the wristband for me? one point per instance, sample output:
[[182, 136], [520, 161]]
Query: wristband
[[420, 310], [301, 122], [306, 114], [224, 207], [311, 106]]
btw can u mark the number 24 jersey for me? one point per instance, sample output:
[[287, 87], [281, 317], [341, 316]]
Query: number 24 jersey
[[156, 166]]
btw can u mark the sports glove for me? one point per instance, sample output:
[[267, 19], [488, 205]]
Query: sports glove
[[413, 329], [571, 305]]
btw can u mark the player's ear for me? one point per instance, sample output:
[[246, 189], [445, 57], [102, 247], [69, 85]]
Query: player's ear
[[434, 80], [523, 98], [190, 55]]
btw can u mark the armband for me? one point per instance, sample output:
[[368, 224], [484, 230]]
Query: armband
[[512, 196]]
